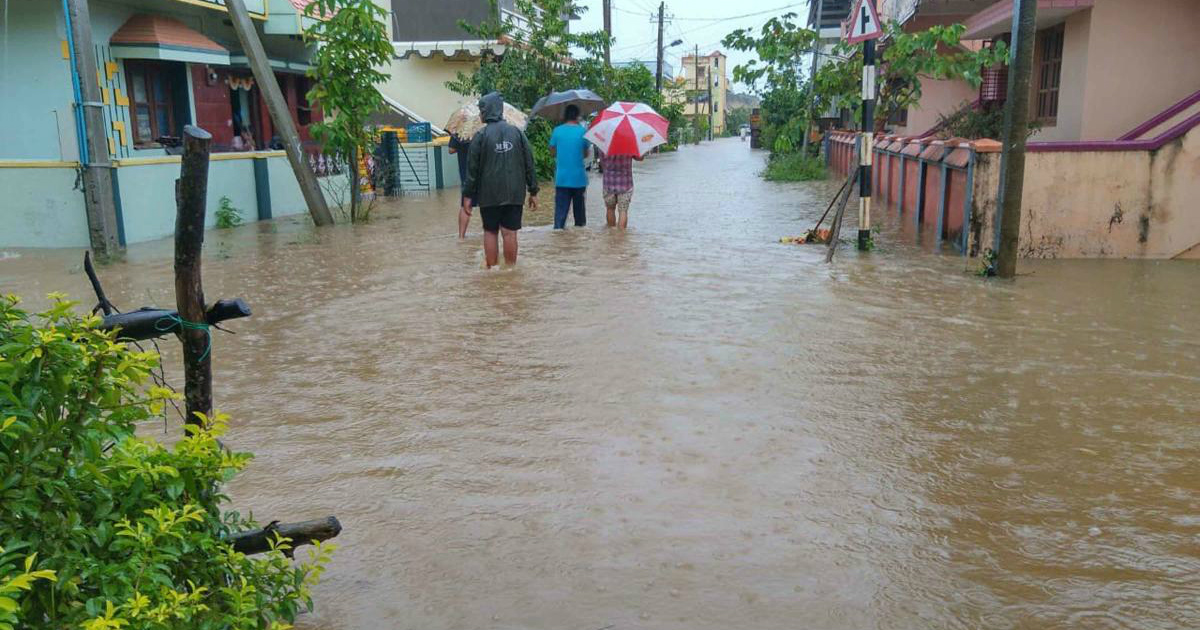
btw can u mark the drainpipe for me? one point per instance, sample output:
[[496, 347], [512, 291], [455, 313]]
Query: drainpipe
[[99, 203], [80, 136]]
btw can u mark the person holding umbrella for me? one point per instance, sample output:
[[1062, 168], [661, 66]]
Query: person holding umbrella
[[570, 177], [624, 132], [500, 171], [569, 149], [463, 125]]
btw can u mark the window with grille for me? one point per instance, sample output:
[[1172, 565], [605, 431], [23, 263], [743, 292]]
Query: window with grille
[[151, 101], [1050, 48]]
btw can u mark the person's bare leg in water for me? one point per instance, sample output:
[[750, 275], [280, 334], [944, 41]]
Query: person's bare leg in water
[[491, 249], [510, 245]]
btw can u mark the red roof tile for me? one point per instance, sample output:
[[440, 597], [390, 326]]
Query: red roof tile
[[144, 28]]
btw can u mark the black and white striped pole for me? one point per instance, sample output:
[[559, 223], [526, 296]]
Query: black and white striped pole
[[868, 142], [865, 27]]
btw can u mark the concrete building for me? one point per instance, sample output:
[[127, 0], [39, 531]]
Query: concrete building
[[696, 75], [1099, 66], [1114, 170], [649, 64], [161, 64], [826, 17]]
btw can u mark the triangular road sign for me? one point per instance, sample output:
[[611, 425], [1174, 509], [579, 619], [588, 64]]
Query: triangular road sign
[[863, 22]]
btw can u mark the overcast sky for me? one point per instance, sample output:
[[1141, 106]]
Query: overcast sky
[[697, 22]]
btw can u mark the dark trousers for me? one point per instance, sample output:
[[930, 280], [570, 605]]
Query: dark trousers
[[565, 198]]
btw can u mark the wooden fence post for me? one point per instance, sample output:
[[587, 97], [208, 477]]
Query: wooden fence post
[[191, 193]]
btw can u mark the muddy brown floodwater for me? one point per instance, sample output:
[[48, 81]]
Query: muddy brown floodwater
[[691, 426]]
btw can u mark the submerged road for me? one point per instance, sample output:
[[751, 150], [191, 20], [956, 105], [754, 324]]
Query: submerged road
[[691, 426]]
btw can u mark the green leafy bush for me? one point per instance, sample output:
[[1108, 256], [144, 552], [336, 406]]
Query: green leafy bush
[[794, 167], [118, 531], [228, 215]]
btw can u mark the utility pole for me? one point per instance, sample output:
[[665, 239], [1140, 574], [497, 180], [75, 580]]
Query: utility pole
[[280, 116], [1016, 124], [696, 85], [103, 231], [812, 75], [659, 66], [608, 32], [711, 74]]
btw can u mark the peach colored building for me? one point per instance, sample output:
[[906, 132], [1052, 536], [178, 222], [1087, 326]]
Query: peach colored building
[[1113, 172], [1101, 67]]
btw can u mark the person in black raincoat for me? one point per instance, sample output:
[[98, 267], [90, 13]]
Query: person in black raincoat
[[500, 173]]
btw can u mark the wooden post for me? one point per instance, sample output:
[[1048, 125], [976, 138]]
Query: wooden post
[[280, 116], [658, 68], [191, 193], [98, 197], [607, 7], [1016, 128]]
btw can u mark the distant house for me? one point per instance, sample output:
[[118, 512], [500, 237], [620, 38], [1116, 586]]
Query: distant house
[[162, 65], [696, 76], [649, 64]]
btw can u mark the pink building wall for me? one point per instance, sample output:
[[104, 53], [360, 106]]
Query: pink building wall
[[938, 98], [1141, 58]]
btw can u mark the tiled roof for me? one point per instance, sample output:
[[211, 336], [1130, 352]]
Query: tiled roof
[[300, 4], [145, 28]]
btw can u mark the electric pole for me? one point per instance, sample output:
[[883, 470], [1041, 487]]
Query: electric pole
[[659, 66], [280, 116], [696, 85], [812, 75], [711, 76], [100, 205], [1016, 124], [608, 32]]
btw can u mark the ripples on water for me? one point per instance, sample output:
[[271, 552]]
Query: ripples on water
[[691, 426]]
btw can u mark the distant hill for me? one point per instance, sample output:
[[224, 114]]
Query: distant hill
[[736, 100]]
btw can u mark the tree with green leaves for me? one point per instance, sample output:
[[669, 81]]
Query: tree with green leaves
[[782, 46], [352, 44], [907, 59], [106, 529]]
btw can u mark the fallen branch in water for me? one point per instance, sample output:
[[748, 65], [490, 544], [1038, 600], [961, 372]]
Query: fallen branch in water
[[304, 533]]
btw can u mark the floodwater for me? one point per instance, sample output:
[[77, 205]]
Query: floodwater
[[691, 426]]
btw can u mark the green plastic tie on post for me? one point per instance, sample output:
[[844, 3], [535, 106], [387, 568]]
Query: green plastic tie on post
[[183, 324]]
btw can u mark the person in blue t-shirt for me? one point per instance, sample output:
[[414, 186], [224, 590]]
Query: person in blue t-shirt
[[570, 180]]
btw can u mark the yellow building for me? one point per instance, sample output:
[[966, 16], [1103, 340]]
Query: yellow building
[[696, 74]]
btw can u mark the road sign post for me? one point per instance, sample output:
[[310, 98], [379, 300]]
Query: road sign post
[[864, 27]]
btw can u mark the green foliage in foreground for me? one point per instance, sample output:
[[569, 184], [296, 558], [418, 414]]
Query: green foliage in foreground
[[794, 167], [104, 530]]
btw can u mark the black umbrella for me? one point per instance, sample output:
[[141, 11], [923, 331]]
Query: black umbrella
[[554, 105]]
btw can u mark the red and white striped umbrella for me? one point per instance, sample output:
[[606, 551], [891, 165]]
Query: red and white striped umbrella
[[627, 129]]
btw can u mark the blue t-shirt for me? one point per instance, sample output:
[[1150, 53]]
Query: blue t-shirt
[[568, 170]]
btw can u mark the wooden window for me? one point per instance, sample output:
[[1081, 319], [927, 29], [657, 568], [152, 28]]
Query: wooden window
[[1050, 49], [303, 107], [151, 101]]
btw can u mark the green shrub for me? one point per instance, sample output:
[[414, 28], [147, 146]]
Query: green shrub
[[228, 216], [794, 167], [118, 531]]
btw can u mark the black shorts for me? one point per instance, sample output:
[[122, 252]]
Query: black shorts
[[496, 217]]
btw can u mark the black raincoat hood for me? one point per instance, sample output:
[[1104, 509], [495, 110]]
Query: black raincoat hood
[[491, 106]]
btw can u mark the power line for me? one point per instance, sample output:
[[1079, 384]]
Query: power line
[[737, 17]]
